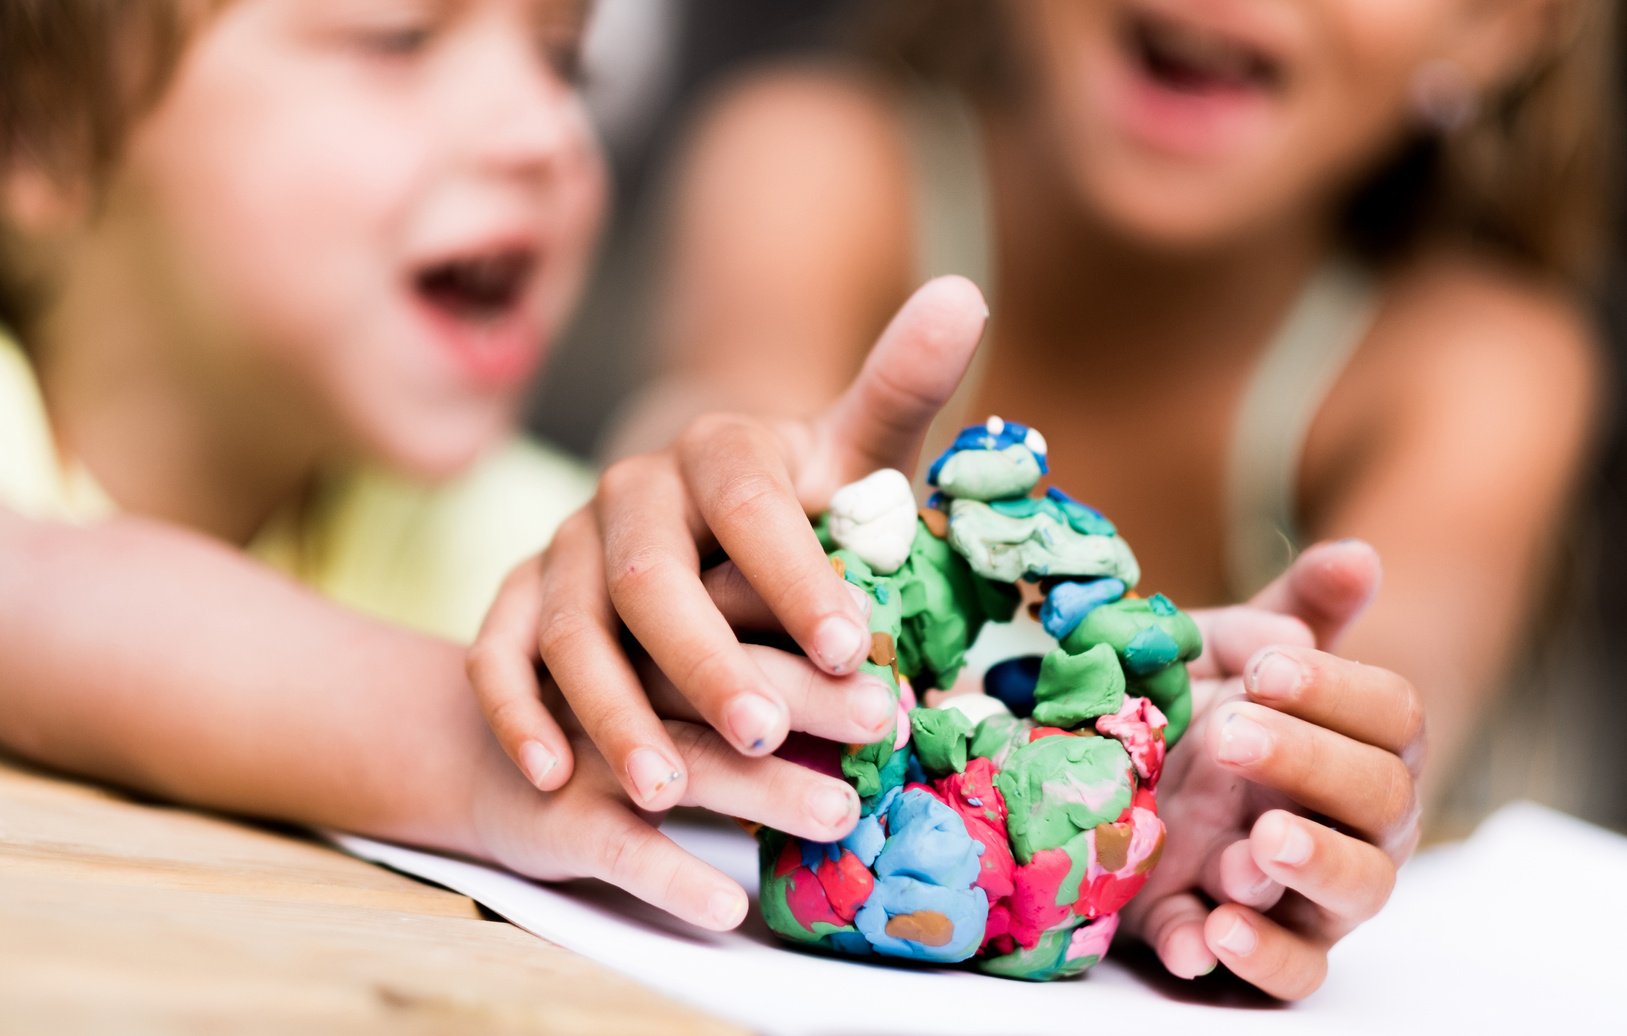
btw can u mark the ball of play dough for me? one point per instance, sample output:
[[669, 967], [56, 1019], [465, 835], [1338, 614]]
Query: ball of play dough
[[1006, 829]]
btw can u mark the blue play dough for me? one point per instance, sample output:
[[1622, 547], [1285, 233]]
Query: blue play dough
[[1068, 603], [967, 910], [978, 437], [928, 842], [866, 839], [1013, 681]]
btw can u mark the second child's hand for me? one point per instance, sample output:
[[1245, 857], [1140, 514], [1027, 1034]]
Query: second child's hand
[[633, 558]]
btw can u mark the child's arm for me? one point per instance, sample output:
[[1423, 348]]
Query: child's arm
[[152, 657]]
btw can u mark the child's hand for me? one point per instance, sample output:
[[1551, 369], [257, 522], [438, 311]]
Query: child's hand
[[634, 555], [1292, 800], [588, 829]]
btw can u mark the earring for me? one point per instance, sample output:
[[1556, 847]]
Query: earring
[[1443, 97]]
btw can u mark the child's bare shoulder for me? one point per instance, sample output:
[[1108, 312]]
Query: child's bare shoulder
[[1454, 312], [793, 139], [837, 115], [1470, 359]]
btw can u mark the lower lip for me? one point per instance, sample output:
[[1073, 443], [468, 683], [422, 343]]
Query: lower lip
[[1182, 124], [499, 353]]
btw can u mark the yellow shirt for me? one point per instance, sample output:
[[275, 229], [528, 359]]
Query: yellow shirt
[[429, 557]]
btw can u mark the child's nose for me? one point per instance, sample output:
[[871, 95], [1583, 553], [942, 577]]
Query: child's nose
[[528, 117]]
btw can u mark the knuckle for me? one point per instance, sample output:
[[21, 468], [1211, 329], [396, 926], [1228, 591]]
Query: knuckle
[[508, 720], [708, 673], [697, 747], [624, 478], [483, 665], [1397, 797], [709, 430], [617, 853], [1411, 712], [637, 571], [746, 496], [562, 630]]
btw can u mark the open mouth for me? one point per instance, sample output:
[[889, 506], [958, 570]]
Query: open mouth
[[1189, 60], [478, 289]]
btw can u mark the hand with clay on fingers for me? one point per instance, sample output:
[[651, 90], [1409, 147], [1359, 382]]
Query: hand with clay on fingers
[[632, 561], [1293, 799]]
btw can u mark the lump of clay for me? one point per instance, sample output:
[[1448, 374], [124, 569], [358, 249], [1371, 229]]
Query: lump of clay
[[1005, 829]]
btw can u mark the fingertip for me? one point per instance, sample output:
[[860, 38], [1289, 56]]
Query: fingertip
[[1185, 953], [1279, 839], [839, 644], [1344, 572], [958, 294], [654, 780], [1273, 676], [726, 907], [546, 767], [1230, 934], [757, 723]]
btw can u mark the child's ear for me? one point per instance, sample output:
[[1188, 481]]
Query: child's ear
[[1498, 41], [38, 205]]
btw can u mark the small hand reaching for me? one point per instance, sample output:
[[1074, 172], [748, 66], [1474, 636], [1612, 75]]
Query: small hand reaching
[[1292, 801]]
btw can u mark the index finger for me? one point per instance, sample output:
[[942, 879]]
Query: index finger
[[750, 506]]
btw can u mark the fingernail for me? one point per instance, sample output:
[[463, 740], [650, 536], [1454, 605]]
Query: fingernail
[[1243, 741], [838, 643], [1296, 847], [860, 597], [726, 908], [537, 761], [753, 720], [1276, 676], [1210, 970], [651, 773], [873, 709], [831, 806], [1238, 939]]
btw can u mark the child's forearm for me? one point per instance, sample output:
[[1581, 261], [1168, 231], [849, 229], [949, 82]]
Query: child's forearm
[[152, 657]]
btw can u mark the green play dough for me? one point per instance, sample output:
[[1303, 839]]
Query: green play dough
[[989, 474], [1075, 688], [1059, 786], [1151, 637], [944, 605], [1007, 549], [1047, 960], [940, 737], [998, 736]]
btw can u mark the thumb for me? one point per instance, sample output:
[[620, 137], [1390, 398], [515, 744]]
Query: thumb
[[1327, 587], [913, 369]]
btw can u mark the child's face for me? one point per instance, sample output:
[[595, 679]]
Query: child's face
[[381, 210], [1185, 122]]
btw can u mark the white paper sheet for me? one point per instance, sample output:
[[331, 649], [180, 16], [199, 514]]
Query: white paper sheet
[[1520, 928]]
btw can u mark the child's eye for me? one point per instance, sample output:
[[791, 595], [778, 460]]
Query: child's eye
[[395, 41], [565, 59]]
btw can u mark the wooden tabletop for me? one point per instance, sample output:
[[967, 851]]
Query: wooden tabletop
[[121, 916]]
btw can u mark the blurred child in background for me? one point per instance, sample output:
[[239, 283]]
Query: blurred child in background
[[1264, 273]]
